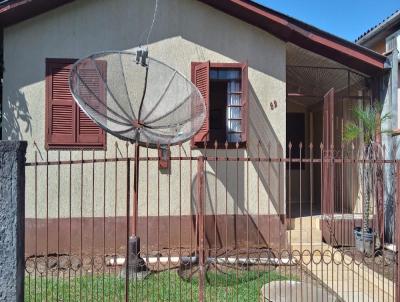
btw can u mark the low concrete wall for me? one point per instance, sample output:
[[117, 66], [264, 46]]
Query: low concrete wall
[[107, 236]]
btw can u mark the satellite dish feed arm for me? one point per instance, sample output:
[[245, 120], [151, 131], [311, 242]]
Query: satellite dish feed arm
[[142, 56], [144, 94]]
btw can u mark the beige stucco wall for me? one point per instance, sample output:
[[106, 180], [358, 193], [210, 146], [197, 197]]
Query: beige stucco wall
[[185, 31]]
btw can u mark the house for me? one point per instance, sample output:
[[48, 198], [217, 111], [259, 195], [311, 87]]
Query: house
[[296, 84], [384, 38]]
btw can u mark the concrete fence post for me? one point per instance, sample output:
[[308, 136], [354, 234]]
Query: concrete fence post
[[12, 216]]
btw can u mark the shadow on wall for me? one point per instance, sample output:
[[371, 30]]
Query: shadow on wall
[[264, 143], [181, 19], [229, 221], [232, 228], [16, 117]]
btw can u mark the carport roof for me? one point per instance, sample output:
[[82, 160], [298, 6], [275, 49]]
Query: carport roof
[[282, 26]]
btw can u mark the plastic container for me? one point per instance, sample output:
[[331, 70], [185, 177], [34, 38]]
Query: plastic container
[[364, 241]]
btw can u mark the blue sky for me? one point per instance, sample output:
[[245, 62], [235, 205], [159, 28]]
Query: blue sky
[[345, 18]]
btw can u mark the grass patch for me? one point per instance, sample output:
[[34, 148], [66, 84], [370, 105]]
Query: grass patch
[[164, 286]]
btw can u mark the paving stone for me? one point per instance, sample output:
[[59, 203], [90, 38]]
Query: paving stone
[[282, 291]]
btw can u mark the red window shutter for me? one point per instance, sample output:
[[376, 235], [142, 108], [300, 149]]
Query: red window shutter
[[201, 78], [245, 102], [87, 131], [60, 107]]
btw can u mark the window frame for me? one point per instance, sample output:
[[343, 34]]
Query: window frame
[[244, 101], [50, 145]]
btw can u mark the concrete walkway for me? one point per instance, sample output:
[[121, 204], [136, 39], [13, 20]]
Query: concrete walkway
[[352, 281]]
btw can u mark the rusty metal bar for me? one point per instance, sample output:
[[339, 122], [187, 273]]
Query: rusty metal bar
[[81, 225], [200, 200], [212, 158], [128, 214], [115, 209], [135, 191], [58, 223], [191, 214], [93, 231]]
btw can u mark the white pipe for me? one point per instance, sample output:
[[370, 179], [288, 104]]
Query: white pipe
[[219, 260]]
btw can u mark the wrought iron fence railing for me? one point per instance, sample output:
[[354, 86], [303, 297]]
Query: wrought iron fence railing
[[214, 224]]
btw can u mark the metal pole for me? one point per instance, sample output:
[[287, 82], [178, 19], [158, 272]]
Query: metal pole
[[135, 192], [137, 268], [128, 251], [200, 200]]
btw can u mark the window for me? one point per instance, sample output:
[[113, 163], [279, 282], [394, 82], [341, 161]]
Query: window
[[224, 88], [67, 126]]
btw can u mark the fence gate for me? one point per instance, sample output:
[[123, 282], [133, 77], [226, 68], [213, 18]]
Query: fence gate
[[215, 224]]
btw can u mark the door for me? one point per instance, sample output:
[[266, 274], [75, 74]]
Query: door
[[328, 153]]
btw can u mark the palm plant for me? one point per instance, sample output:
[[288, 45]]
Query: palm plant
[[367, 126]]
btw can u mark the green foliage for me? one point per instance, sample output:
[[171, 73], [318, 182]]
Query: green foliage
[[351, 132], [367, 124]]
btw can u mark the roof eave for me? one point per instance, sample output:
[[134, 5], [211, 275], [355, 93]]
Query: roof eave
[[284, 27], [19, 10], [304, 35]]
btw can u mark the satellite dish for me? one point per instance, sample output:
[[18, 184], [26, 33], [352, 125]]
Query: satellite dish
[[137, 98], [141, 100]]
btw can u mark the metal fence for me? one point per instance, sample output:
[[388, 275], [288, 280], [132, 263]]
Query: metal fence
[[215, 224]]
